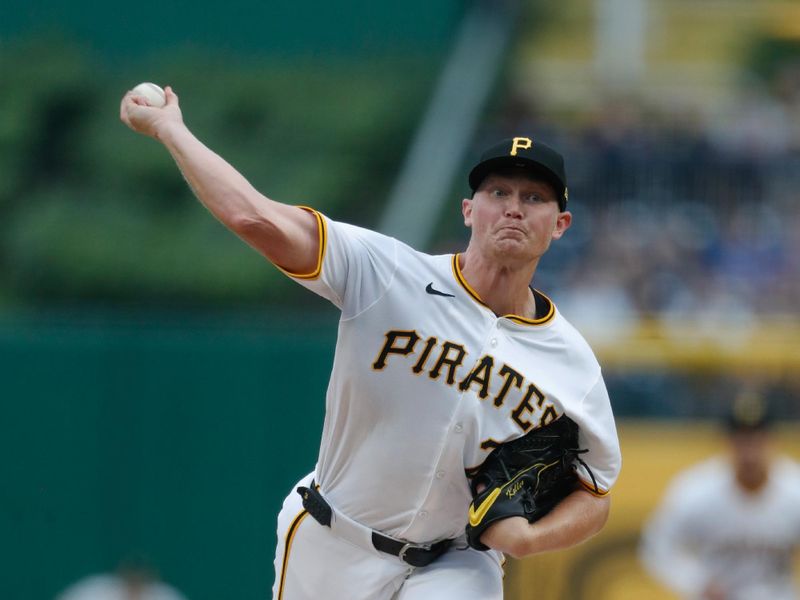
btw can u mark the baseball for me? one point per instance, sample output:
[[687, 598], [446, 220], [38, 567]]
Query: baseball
[[152, 93]]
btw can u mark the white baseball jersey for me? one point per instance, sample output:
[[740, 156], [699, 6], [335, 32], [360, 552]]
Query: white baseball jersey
[[427, 380], [709, 530], [112, 587]]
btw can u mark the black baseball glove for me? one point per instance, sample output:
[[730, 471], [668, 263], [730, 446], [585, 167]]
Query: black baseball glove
[[525, 477]]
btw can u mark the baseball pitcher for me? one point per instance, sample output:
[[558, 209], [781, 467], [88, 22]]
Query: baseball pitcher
[[465, 417]]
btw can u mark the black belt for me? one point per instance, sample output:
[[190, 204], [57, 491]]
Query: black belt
[[416, 555]]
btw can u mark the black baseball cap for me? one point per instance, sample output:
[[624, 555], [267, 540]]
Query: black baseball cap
[[750, 411], [527, 153]]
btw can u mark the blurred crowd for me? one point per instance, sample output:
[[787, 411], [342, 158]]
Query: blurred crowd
[[678, 215]]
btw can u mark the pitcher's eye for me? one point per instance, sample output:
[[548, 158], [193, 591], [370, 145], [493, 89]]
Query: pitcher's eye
[[535, 198]]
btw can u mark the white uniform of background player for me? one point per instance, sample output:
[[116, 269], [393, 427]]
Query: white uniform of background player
[[426, 379], [131, 581], [715, 537]]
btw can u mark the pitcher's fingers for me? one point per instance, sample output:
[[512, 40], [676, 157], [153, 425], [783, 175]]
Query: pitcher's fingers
[[171, 96], [123, 110], [140, 100]]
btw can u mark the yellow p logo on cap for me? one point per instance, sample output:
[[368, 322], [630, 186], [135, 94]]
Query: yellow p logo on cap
[[520, 143]]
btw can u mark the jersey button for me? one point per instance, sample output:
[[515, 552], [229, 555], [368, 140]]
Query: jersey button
[[458, 428], [493, 342], [423, 514], [439, 474]]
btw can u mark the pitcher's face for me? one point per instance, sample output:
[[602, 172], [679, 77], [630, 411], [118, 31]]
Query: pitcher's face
[[514, 215]]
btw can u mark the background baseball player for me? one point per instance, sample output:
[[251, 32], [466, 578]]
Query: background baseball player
[[132, 580], [729, 528], [438, 360]]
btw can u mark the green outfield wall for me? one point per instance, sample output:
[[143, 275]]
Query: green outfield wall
[[174, 441], [256, 28]]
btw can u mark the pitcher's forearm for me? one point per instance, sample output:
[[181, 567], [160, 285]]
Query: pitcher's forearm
[[285, 234], [220, 187], [576, 518]]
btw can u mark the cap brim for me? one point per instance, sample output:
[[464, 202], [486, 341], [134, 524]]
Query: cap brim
[[483, 169]]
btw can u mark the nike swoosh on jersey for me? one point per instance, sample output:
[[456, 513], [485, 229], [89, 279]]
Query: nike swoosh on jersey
[[476, 516], [430, 290]]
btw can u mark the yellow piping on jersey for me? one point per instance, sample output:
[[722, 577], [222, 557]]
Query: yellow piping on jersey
[[589, 487], [516, 318], [322, 234], [287, 548]]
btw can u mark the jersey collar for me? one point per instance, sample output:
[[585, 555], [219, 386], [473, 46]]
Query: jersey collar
[[545, 309]]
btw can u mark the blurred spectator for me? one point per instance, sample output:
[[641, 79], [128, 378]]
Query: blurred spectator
[[132, 581], [729, 528], [597, 292]]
